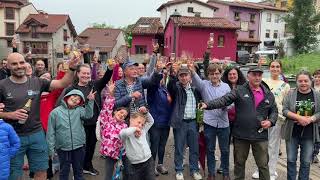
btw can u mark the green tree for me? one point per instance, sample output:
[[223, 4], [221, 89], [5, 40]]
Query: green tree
[[101, 25], [302, 21]]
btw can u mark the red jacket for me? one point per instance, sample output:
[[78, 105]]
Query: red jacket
[[48, 102]]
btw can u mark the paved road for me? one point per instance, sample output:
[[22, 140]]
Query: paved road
[[250, 166]]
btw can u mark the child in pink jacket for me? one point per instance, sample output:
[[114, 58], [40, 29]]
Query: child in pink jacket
[[111, 123]]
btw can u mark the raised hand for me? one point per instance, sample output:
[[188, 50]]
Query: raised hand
[[143, 109], [111, 88], [91, 95], [75, 60]]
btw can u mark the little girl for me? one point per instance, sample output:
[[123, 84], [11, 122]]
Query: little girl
[[110, 126]]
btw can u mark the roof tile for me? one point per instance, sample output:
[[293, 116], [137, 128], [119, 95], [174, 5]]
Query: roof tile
[[148, 25], [216, 22]]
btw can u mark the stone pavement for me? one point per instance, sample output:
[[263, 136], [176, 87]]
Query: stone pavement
[[169, 156]]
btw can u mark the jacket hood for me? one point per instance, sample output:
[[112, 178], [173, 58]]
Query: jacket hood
[[73, 92]]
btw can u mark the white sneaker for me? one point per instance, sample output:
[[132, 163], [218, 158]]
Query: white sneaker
[[255, 175], [179, 176], [196, 176]]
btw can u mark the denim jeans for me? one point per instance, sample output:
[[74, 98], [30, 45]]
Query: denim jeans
[[210, 134], [74, 158], [306, 149], [158, 139], [187, 133]]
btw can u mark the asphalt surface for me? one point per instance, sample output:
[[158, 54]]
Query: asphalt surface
[[169, 156]]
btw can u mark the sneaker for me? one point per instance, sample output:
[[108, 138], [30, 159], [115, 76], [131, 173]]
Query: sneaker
[[161, 169], [156, 172], [315, 160], [196, 176], [179, 176], [219, 171], [92, 172], [255, 175]]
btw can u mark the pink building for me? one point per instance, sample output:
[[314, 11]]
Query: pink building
[[144, 31], [191, 34], [246, 16]]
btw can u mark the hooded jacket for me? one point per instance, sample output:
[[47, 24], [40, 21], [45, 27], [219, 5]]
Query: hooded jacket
[[65, 128], [9, 145]]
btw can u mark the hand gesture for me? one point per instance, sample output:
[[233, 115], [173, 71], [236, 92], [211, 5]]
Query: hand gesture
[[265, 124], [143, 109], [91, 95], [1, 107], [159, 66], [111, 88], [75, 60], [111, 63], [14, 43], [137, 133], [209, 44], [155, 47], [203, 106], [136, 95], [20, 114], [191, 66]]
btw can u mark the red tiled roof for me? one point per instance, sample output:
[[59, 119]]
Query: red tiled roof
[[236, 4], [251, 5], [104, 38], [50, 23], [249, 40], [202, 22], [13, 3], [148, 25], [173, 2]]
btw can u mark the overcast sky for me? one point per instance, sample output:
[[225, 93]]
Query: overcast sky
[[113, 12]]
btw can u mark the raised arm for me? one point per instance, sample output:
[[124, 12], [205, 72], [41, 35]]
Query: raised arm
[[51, 138], [149, 122], [152, 65], [197, 81], [87, 112], [223, 101]]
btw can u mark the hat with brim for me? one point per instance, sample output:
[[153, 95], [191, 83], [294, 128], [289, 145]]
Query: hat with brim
[[129, 63], [183, 70], [255, 69]]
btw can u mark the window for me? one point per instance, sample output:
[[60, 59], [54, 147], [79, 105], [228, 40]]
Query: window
[[220, 41], [244, 25], [275, 34], [9, 29], [277, 18], [190, 9], [65, 35], [283, 4], [34, 33], [251, 34], [9, 43], [269, 17], [36, 47], [252, 17], [141, 49], [236, 16], [268, 33], [9, 13]]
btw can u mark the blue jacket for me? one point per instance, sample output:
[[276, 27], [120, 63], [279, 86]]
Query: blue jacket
[[159, 106], [123, 99], [9, 145]]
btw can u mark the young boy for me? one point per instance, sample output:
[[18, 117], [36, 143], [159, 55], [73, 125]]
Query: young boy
[[137, 149], [9, 145], [66, 132]]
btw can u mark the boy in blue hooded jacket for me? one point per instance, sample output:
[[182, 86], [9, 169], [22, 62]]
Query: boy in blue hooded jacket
[[66, 132]]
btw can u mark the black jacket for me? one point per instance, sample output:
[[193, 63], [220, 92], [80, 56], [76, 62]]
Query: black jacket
[[4, 73], [179, 99], [248, 117], [98, 86]]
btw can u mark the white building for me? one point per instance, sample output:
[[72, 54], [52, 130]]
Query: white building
[[272, 27], [12, 15], [185, 8], [46, 35]]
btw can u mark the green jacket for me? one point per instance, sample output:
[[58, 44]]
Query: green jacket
[[65, 127]]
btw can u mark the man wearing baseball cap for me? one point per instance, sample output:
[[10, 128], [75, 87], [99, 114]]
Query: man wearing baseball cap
[[256, 111], [183, 120]]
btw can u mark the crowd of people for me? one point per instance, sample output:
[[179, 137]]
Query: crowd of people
[[130, 108]]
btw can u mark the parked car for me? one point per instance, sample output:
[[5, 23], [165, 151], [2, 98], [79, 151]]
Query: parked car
[[242, 57], [245, 68]]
